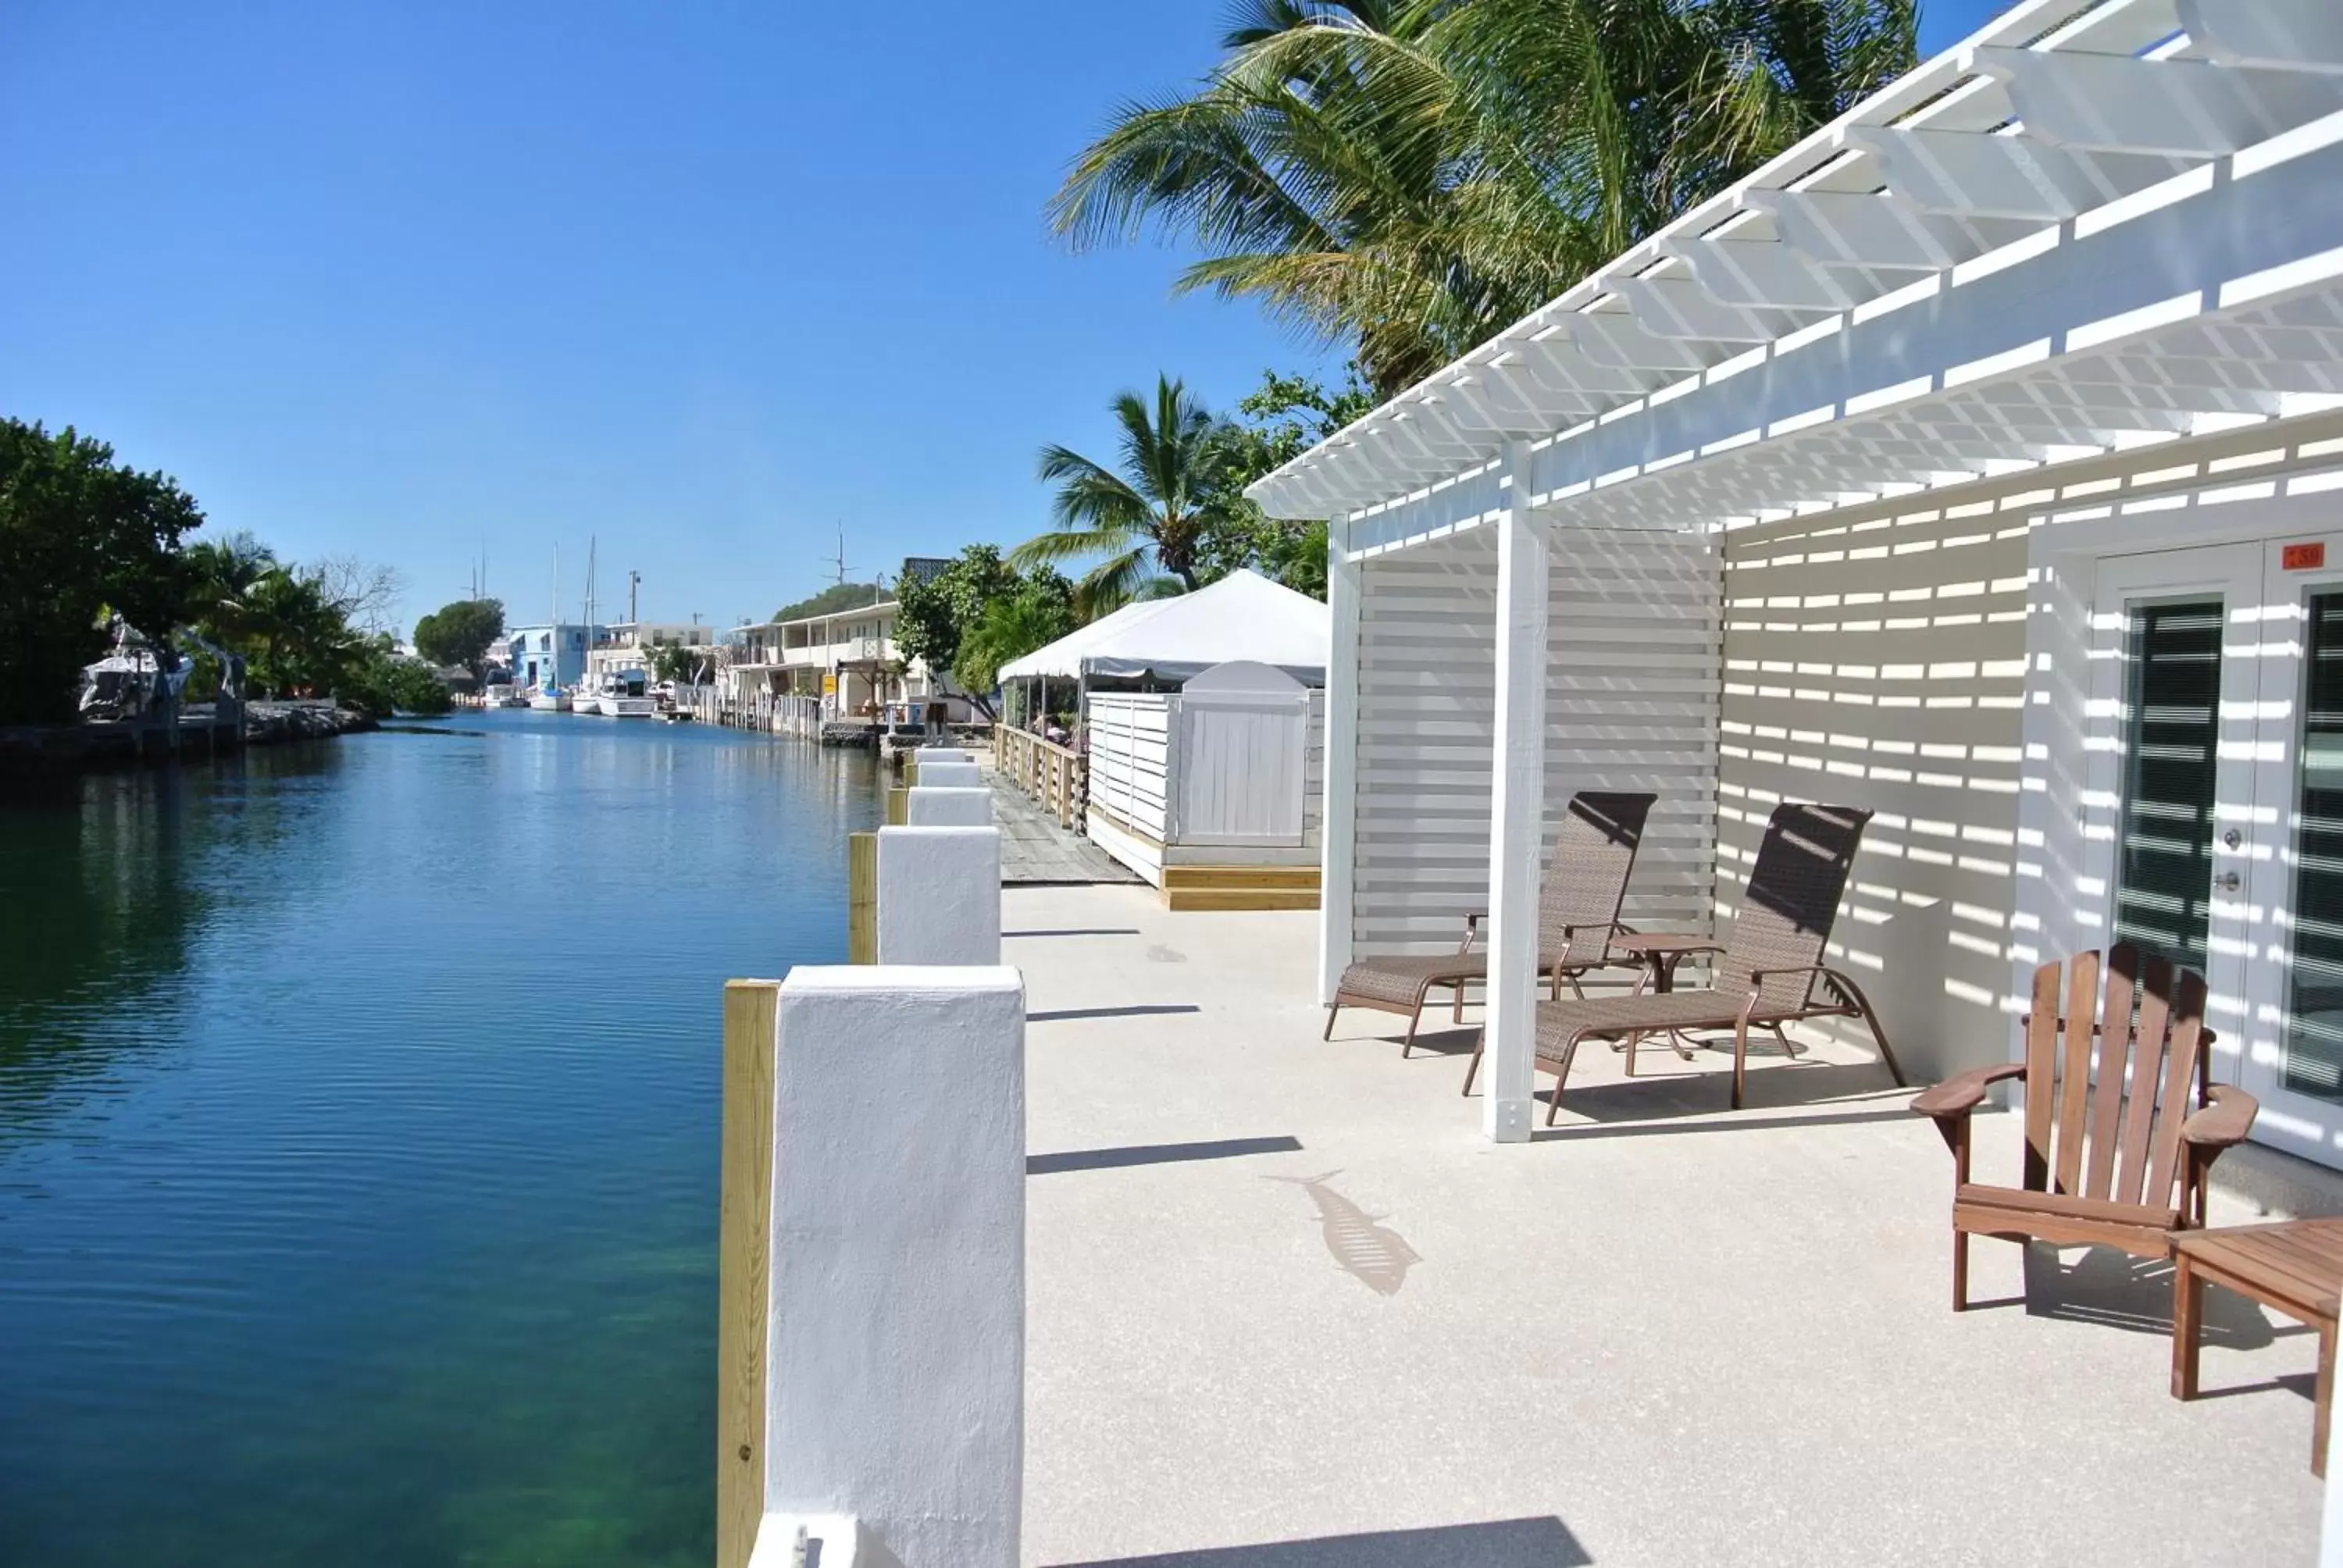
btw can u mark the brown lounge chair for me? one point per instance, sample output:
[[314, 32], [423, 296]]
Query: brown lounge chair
[[1578, 911], [2170, 1129], [1771, 966]]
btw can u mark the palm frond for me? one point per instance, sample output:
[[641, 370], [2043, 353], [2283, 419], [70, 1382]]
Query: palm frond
[[1111, 583]]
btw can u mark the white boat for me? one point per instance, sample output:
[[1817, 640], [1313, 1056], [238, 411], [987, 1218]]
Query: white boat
[[626, 694], [502, 695], [550, 698], [122, 685]]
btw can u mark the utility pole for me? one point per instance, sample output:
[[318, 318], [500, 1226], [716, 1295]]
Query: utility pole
[[634, 581]]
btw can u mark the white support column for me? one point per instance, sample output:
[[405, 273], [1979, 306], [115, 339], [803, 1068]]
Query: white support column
[[950, 806], [1337, 826], [1516, 811], [939, 895], [896, 1316]]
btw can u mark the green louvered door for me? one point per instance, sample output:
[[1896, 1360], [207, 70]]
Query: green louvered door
[[2170, 723]]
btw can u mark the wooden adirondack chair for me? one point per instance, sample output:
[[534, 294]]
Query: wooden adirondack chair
[[2102, 1165]]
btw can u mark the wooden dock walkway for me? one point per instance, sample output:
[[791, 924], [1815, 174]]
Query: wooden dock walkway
[[1035, 851]]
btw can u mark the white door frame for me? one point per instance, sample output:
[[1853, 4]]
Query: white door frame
[[2067, 822], [2233, 572], [2297, 1123]]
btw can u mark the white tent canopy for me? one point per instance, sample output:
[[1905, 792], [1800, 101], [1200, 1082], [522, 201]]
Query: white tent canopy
[[1242, 616]]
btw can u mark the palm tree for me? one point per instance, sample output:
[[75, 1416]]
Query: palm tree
[[1146, 516], [1412, 175], [225, 572]]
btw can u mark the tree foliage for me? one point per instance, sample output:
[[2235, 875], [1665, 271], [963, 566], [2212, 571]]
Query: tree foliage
[[315, 628], [1147, 516], [936, 612], [830, 600], [81, 537], [384, 682], [1409, 177], [681, 663], [459, 633], [1038, 612], [1279, 420], [979, 612]]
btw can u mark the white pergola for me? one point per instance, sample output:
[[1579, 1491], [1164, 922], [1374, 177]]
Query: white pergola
[[2083, 230]]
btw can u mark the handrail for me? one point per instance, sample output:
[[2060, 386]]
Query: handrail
[[1055, 776]]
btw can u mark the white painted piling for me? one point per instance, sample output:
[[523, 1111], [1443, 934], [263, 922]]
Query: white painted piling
[[939, 895], [896, 1346], [945, 773], [948, 807]]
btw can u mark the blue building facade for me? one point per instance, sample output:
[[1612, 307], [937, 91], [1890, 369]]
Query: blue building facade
[[545, 656]]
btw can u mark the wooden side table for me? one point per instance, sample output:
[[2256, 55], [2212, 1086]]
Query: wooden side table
[[2295, 1268]]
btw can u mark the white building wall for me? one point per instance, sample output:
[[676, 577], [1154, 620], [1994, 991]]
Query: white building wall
[[1631, 704], [1879, 656], [1880, 663]]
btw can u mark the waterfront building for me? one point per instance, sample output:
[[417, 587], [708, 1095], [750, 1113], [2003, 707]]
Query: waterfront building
[[550, 654], [847, 661], [630, 645]]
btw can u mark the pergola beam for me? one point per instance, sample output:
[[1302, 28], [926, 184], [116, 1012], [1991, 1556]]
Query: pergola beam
[[1618, 339], [1983, 175], [2181, 108], [2283, 35], [1681, 309], [1766, 273], [1883, 232]]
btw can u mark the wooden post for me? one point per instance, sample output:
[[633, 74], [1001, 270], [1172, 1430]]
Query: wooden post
[[898, 807], [744, 1264], [910, 771], [862, 898], [1517, 810]]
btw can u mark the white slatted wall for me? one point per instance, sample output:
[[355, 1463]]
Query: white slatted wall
[[1631, 704], [1313, 799], [1427, 705], [1130, 740]]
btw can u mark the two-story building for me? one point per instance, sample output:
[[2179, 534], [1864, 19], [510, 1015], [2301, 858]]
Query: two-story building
[[630, 645], [546, 655], [845, 661]]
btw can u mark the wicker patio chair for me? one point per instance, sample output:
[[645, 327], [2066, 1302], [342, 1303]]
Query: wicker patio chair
[[1771, 972], [1578, 912]]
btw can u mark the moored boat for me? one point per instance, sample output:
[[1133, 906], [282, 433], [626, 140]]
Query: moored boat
[[626, 694]]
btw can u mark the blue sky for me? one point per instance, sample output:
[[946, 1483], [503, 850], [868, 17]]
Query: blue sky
[[403, 277]]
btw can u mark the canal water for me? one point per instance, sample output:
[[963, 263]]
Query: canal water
[[359, 1122]]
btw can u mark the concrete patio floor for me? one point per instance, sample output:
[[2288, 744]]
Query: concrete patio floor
[[1288, 1309]]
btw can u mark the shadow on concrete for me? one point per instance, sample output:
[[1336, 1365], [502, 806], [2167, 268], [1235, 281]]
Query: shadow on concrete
[[1739, 1121], [1543, 1543], [1156, 1154], [1361, 1244], [1665, 1085], [1078, 931], [1136, 1009], [2109, 1287]]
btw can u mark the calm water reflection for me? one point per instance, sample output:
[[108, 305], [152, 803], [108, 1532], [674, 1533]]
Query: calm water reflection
[[358, 1113]]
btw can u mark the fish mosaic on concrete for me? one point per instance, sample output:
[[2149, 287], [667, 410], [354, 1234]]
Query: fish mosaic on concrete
[[1363, 1247]]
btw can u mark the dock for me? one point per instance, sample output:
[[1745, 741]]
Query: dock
[[1035, 852]]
